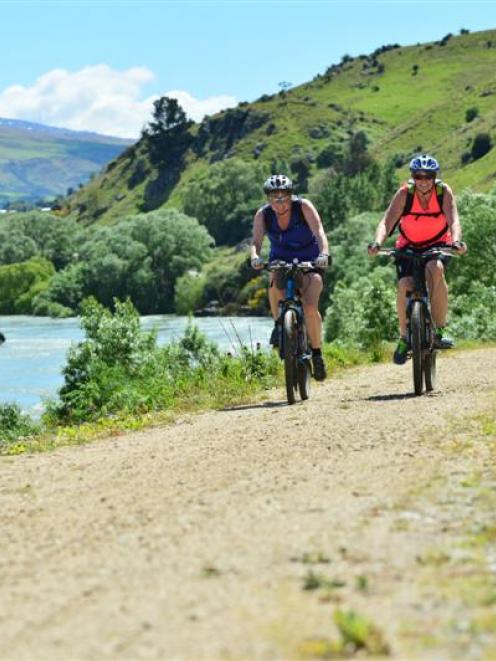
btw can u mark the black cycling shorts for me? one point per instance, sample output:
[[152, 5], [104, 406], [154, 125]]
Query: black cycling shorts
[[404, 267]]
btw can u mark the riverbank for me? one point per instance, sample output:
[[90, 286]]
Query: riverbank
[[227, 389], [119, 379], [35, 350]]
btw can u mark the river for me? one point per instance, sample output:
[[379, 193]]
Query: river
[[35, 350]]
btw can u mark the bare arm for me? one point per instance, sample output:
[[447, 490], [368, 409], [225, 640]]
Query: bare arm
[[451, 212], [393, 212], [258, 234], [315, 224]]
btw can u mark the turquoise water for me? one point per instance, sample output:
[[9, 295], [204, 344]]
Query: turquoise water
[[35, 350]]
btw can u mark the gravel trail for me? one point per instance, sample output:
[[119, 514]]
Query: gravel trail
[[189, 541]]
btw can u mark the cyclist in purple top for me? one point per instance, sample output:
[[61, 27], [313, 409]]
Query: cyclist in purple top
[[295, 229]]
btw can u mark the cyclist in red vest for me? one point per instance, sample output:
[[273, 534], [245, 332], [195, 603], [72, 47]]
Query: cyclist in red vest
[[424, 211]]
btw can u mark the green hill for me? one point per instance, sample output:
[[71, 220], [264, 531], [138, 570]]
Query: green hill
[[38, 161], [407, 99]]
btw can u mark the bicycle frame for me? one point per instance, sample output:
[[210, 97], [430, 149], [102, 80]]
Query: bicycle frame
[[420, 325], [293, 339], [291, 298]]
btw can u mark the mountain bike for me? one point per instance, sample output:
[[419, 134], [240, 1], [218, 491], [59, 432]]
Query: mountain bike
[[294, 348], [421, 330]]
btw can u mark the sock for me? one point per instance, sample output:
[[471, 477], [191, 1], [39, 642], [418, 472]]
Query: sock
[[316, 352]]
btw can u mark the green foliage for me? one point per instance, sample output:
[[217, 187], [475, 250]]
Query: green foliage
[[119, 368], [481, 145], [471, 113], [300, 166], [188, 295], [473, 314], [225, 199], [168, 133], [36, 233], [226, 276], [99, 370], [14, 424], [15, 246], [357, 158], [363, 312], [339, 196], [331, 156], [477, 213], [358, 633], [141, 258], [21, 283]]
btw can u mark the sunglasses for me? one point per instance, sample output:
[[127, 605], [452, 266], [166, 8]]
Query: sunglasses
[[279, 198], [420, 177]]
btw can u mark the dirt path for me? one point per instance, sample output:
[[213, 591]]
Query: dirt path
[[189, 541]]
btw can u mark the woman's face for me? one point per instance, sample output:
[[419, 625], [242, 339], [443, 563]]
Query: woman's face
[[279, 200], [424, 181]]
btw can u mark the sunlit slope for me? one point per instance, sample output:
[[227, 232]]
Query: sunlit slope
[[407, 99]]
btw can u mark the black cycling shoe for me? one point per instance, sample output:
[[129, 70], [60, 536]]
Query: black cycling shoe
[[274, 336], [401, 352], [319, 368]]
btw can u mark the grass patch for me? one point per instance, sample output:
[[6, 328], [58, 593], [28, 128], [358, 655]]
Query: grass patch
[[357, 636]]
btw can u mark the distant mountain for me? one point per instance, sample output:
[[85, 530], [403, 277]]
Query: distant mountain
[[436, 97], [38, 161]]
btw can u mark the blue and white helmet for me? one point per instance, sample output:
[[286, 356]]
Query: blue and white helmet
[[424, 162], [277, 182]]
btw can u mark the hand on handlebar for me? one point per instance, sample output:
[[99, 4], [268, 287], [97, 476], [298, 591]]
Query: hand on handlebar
[[323, 260], [459, 247], [373, 248], [257, 263]]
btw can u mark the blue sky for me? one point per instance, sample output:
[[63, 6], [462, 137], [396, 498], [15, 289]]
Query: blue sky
[[111, 58]]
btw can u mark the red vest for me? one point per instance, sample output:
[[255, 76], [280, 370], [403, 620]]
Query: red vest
[[421, 228]]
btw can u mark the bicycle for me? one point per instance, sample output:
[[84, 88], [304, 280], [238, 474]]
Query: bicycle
[[421, 330], [294, 348]]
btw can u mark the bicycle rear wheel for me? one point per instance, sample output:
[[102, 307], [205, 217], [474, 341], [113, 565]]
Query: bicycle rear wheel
[[430, 371], [416, 334], [303, 365], [290, 344]]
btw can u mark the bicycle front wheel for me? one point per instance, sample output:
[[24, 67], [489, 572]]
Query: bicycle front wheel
[[303, 365], [416, 334], [430, 371], [290, 344]]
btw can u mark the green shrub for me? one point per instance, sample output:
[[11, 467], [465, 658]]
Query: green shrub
[[471, 114], [188, 292], [14, 424], [225, 199], [120, 368], [363, 313], [21, 283], [481, 145]]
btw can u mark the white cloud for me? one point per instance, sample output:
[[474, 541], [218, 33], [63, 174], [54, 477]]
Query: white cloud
[[98, 98]]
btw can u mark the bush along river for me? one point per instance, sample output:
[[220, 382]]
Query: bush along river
[[34, 351]]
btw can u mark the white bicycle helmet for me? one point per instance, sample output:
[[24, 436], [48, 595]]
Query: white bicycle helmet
[[277, 182], [424, 162]]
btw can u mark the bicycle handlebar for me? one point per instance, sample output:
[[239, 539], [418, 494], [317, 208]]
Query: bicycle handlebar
[[279, 265], [408, 253]]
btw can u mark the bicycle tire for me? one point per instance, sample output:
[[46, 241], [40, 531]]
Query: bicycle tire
[[416, 334], [290, 343], [430, 371], [303, 366]]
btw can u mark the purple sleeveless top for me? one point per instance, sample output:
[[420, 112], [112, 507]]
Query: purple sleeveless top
[[297, 240]]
